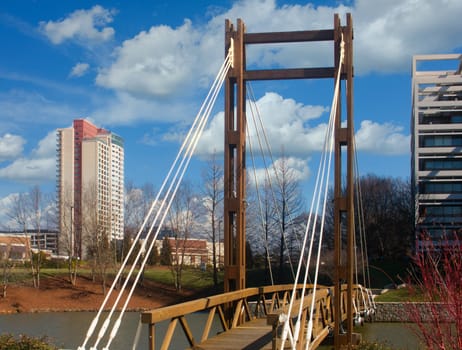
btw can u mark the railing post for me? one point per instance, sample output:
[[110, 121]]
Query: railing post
[[152, 336]]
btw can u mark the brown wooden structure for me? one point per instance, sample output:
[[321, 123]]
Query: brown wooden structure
[[236, 296], [255, 317]]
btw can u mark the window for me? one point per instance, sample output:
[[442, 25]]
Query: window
[[441, 187], [442, 164], [441, 141]]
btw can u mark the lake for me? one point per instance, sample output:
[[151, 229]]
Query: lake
[[68, 329]]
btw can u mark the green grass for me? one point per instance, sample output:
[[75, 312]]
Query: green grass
[[399, 295], [192, 278]]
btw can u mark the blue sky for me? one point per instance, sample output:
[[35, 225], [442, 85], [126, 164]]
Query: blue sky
[[142, 69]]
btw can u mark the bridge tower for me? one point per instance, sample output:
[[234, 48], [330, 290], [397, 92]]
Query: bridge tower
[[235, 149]]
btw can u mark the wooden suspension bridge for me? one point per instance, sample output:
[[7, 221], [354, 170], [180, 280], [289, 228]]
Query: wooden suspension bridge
[[253, 318]]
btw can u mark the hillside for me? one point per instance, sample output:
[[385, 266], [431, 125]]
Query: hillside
[[57, 294]]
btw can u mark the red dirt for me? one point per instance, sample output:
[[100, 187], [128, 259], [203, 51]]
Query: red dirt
[[57, 294]]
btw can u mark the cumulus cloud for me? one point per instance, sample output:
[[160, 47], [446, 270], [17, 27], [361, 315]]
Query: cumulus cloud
[[38, 167], [29, 170], [297, 168], [23, 107], [388, 33], [165, 60], [289, 125], [382, 138], [126, 109], [6, 222], [11, 146], [82, 25], [79, 69], [157, 62]]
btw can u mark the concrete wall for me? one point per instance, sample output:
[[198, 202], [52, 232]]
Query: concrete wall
[[399, 312]]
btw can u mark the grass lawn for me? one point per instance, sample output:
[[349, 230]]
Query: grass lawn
[[399, 295], [192, 278]]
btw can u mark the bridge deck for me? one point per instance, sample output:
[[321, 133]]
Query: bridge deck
[[255, 334]]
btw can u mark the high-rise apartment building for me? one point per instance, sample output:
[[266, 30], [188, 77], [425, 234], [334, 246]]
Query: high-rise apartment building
[[90, 183], [437, 146]]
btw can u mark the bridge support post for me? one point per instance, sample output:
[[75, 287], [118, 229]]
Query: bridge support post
[[344, 192], [234, 167], [234, 153]]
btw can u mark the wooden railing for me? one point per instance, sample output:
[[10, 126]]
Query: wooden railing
[[234, 309]]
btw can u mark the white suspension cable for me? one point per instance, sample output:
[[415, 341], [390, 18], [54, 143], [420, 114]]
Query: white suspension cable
[[253, 106], [191, 138], [361, 225], [95, 321], [332, 136], [263, 218], [191, 149], [137, 334], [321, 181]]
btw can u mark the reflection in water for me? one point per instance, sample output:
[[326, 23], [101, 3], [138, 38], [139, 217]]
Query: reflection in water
[[396, 335], [67, 330]]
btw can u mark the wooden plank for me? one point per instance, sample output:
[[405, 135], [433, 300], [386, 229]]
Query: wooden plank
[[289, 37], [289, 73], [254, 334]]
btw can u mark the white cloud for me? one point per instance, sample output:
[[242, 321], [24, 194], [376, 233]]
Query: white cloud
[[40, 166], [388, 33], [46, 147], [297, 167], [30, 170], [382, 138], [6, 222], [294, 128], [82, 25], [20, 106], [11, 146], [289, 125], [157, 62], [164, 61], [126, 109], [79, 69]]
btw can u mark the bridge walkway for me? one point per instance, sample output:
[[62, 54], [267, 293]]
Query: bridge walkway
[[254, 334], [250, 318]]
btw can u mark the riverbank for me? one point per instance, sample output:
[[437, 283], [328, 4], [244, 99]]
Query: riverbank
[[57, 294]]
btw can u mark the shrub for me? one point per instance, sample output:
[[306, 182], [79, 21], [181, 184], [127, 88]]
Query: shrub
[[365, 345], [438, 276], [24, 342]]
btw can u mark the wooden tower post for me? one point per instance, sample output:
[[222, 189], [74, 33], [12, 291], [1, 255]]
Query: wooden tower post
[[234, 168], [344, 193], [234, 174]]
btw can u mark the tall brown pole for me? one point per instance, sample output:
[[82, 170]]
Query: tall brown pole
[[234, 176], [343, 202]]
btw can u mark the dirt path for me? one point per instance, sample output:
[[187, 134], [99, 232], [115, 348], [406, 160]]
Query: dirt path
[[57, 294]]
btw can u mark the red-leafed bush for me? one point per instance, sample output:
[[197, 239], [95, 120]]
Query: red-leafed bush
[[437, 274]]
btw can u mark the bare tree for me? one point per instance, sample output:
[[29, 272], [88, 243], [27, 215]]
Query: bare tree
[[67, 235], [26, 211], [7, 265], [386, 216], [288, 204], [36, 207], [138, 201], [181, 222], [97, 239], [213, 191], [260, 226]]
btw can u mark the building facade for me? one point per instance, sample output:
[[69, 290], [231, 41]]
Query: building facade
[[437, 147], [90, 183]]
